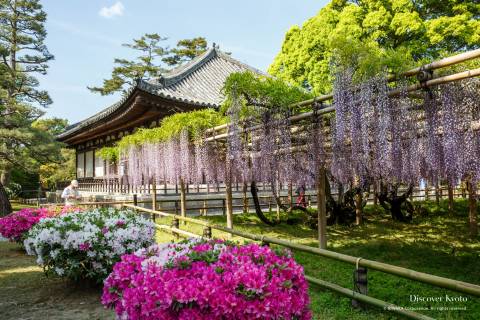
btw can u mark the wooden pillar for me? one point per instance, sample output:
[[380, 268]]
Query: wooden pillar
[[154, 197], [322, 208], [437, 194], [472, 209], [450, 198], [290, 194], [183, 200], [229, 203], [245, 198]]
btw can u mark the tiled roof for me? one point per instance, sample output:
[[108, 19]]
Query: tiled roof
[[198, 82]]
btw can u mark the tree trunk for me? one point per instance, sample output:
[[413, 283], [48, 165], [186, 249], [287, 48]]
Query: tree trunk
[[5, 206], [258, 209], [358, 208]]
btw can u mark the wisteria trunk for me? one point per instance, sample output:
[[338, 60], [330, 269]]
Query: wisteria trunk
[[358, 208]]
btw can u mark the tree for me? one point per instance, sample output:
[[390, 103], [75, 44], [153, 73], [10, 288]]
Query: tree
[[145, 66], [186, 50], [54, 172], [64, 169], [23, 55], [419, 30], [151, 63]]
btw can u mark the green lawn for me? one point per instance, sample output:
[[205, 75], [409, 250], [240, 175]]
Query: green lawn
[[436, 243], [25, 292]]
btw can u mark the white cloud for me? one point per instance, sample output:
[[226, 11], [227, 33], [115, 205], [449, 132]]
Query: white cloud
[[112, 11]]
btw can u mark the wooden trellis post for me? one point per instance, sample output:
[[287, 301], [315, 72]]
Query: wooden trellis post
[[322, 208], [183, 200], [450, 198], [154, 194], [472, 206], [228, 194], [245, 198]]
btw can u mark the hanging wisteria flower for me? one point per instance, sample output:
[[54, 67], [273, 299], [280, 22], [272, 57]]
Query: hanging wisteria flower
[[199, 279], [86, 245]]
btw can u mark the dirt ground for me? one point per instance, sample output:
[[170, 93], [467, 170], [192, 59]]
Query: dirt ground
[[25, 292]]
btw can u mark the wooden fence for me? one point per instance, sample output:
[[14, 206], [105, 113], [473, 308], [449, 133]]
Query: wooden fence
[[360, 282]]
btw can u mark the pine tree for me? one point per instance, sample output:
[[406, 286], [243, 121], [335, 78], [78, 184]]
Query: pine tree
[[24, 55], [151, 63]]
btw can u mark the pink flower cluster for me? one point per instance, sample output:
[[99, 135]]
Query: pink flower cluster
[[16, 224], [208, 281]]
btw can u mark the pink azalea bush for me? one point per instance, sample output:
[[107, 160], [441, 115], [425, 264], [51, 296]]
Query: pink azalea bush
[[199, 279], [15, 225]]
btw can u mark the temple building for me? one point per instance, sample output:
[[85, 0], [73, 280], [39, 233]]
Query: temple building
[[194, 85]]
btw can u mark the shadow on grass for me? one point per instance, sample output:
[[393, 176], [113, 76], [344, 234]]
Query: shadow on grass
[[27, 294], [436, 242]]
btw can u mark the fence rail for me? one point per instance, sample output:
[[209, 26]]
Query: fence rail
[[437, 281]]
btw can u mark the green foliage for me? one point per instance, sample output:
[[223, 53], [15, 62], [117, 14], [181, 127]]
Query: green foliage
[[375, 33], [55, 126], [53, 172], [110, 154], [126, 72], [186, 50], [24, 55], [254, 90], [153, 60], [194, 122]]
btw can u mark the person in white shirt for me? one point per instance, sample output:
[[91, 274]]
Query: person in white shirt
[[71, 194]]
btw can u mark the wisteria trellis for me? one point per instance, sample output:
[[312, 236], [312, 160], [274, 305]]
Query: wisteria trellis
[[372, 138]]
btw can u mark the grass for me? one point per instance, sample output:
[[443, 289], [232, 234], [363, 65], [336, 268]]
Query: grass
[[25, 292], [436, 243]]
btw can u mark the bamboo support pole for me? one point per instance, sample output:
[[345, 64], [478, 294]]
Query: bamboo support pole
[[446, 283], [366, 299], [446, 62], [176, 231], [327, 109]]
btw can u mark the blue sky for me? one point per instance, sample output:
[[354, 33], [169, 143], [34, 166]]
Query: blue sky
[[86, 35]]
